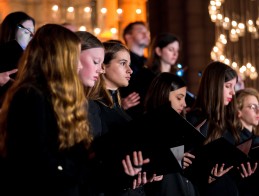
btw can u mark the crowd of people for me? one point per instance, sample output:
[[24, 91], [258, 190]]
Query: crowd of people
[[75, 114]]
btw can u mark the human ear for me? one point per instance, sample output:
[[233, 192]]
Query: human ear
[[158, 51], [103, 68], [239, 114]]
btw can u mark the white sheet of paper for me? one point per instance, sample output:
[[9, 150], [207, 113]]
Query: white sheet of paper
[[178, 152]]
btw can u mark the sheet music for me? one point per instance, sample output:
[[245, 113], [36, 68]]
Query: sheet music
[[178, 152]]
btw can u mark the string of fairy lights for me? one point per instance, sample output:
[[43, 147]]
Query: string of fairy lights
[[237, 33], [88, 18]]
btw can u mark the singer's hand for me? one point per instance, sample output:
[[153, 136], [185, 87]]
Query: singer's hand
[[5, 76]]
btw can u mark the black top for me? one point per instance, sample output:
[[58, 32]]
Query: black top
[[228, 184], [139, 82], [35, 164], [105, 122], [10, 54]]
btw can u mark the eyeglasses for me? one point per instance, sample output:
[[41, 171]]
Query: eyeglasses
[[27, 31], [254, 107]]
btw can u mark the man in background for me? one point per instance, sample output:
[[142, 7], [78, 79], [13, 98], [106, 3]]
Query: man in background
[[137, 38]]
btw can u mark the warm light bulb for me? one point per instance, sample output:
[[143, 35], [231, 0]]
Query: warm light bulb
[[234, 65], [97, 31], [212, 3], [82, 28], [222, 58], [87, 9], [226, 23], [227, 61], [234, 23], [119, 11], [253, 76], [219, 17], [252, 69], [248, 65], [113, 30], [215, 49], [55, 8], [104, 10], [70, 9], [242, 69], [138, 11]]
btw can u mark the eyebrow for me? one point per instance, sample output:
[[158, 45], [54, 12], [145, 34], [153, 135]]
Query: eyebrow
[[123, 60], [20, 26]]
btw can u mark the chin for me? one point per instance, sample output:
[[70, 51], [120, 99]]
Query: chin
[[226, 103], [125, 84]]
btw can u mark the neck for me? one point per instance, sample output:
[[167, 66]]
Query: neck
[[247, 126], [165, 67], [137, 50], [110, 86]]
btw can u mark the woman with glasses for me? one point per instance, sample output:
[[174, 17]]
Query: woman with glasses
[[214, 113], [16, 31], [248, 114], [248, 108]]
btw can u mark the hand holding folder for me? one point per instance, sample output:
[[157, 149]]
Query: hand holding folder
[[221, 151], [154, 134]]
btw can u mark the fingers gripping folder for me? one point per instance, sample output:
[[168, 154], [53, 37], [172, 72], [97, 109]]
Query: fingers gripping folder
[[155, 134]]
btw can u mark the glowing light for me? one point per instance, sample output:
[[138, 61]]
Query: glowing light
[[104, 10], [55, 8], [87, 9], [70, 9], [138, 11], [119, 11], [113, 30], [82, 28], [97, 31]]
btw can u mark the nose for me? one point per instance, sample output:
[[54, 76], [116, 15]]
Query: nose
[[233, 92], [184, 104], [176, 53], [129, 70], [100, 69], [79, 66]]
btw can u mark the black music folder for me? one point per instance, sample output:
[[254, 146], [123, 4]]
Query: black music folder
[[254, 150], [155, 133], [218, 152], [221, 151], [254, 153]]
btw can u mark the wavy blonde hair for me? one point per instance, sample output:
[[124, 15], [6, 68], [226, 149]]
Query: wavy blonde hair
[[51, 60]]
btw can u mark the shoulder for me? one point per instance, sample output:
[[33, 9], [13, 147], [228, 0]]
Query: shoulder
[[29, 89], [28, 94], [10, 53], [11, 48], [93, 106], [94, 109]]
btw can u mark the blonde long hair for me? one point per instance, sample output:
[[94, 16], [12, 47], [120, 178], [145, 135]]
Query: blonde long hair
[[51, 60]]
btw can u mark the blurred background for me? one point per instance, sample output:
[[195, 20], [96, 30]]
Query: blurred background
[[224, 30]]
